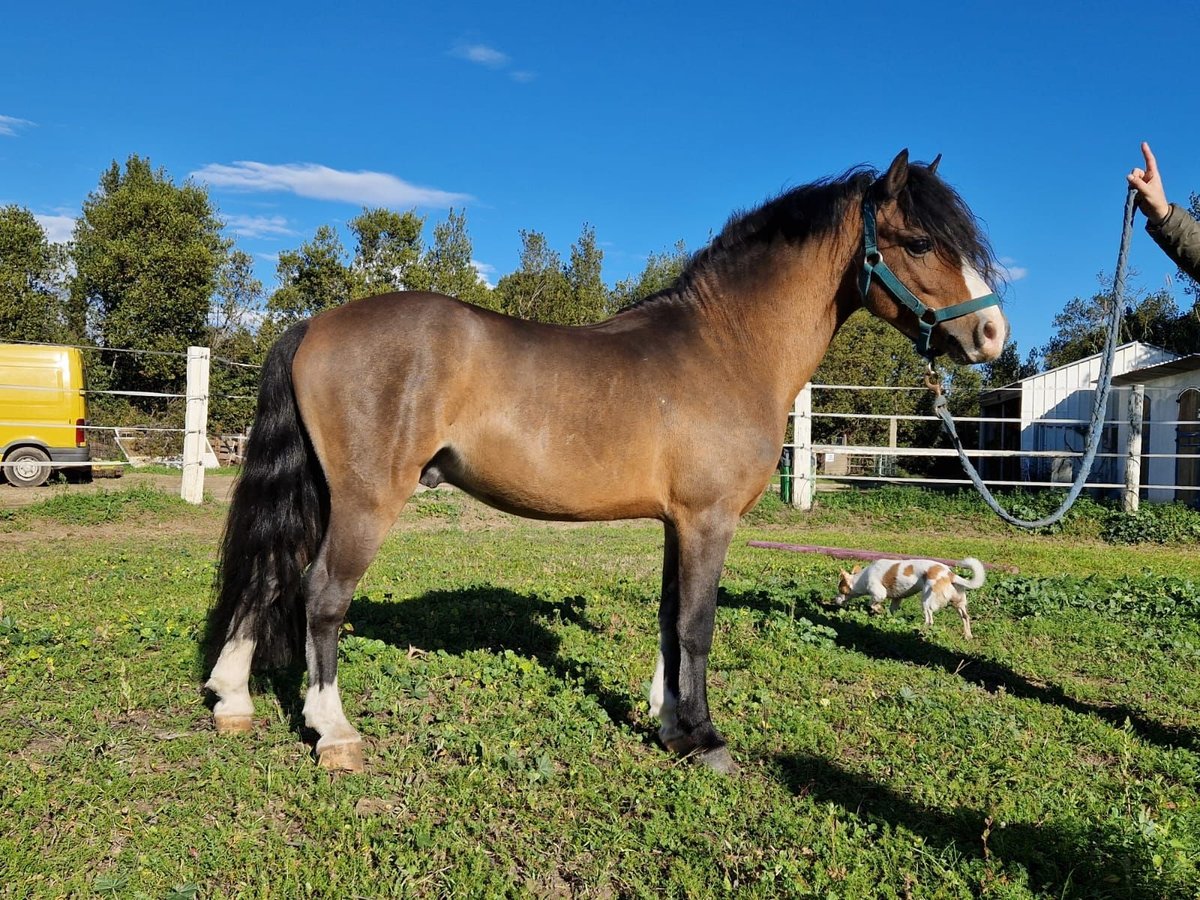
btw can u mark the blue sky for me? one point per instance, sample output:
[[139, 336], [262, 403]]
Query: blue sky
[[650, 122]]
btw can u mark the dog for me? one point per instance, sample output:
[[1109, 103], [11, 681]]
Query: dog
[[892, 579]]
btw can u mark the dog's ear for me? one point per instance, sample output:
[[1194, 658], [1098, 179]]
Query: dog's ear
[[856, 570]]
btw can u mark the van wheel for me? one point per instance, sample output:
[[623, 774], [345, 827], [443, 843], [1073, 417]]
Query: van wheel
[[23, 469]]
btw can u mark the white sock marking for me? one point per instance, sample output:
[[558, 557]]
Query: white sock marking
[[230, 678]]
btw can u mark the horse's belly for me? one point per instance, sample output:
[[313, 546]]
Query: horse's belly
[[556, 476]]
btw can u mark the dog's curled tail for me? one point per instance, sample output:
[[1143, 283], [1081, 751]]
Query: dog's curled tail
[[977, 574]]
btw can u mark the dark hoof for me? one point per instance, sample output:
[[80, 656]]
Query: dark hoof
[[720, 761]]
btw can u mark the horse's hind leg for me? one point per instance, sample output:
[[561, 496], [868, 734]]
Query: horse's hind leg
[[357, 527], [230, 682]]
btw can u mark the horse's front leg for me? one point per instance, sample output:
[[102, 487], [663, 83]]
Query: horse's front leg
[[692, 562]]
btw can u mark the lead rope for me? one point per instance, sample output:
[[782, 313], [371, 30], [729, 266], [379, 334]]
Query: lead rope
[[1095, 428]]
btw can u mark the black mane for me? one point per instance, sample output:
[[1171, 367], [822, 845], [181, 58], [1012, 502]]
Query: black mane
[[811, 210]]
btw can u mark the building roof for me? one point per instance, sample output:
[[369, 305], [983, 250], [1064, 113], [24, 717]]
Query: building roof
[[1179, 366], [997, 395]]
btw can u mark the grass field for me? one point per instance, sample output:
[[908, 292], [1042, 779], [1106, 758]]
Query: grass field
[[498, 671]]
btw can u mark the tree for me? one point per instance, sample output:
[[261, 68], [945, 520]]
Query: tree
[[588, 295], [544, 290], [868, 351], [311, 279], [1007, 367], [146, 258], [237, 302], [447, 266], [1082, 326], [660, 272], [32, 280], [537, 290], [233, 336], [388, 256]]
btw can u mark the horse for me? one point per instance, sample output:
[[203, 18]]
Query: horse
[[673, 409]]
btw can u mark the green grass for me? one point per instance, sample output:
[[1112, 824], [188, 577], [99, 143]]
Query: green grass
[[72, 507], [498, 672]]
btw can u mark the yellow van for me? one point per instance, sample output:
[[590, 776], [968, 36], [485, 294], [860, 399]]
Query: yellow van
[[43, 412]]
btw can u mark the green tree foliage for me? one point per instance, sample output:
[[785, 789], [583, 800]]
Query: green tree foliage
[[447, 266], [543, 289], [1007, 367], [660, 272], [235, 343], [312, 279], [146, 256], [389, 252], [868, 351], [539, 288], [32, 280], [1081, 327], [588, 295]]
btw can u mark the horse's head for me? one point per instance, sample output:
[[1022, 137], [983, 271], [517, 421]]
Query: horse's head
[[926, 265]]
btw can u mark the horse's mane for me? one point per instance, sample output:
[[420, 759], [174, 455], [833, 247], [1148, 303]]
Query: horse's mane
[[818, 208]]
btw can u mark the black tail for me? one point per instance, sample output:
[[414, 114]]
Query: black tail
[[276, 521]]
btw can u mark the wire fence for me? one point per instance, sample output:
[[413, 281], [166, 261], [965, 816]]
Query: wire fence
[[1013, 440], [114, 434], [1150, 443]]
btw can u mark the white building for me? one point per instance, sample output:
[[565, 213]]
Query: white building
[[1051, 411]]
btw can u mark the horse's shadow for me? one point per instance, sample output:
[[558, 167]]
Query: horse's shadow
[[992, 676], [490, 618], [1060, 860]]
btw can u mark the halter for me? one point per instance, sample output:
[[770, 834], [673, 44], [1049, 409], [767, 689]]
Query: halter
[[927, 317]]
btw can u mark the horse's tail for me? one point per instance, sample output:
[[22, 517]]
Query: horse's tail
[[276, 521], [977, 574]]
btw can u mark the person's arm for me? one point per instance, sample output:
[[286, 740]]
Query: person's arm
[[1176, 232]]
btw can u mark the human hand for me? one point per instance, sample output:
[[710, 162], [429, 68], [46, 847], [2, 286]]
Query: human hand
[[1152, 199]]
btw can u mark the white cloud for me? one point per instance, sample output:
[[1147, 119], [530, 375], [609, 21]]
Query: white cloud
[[323, 183], [259, 226], [1010, 270], [59, 229], [9, 125], [481, 55], [485, 271]]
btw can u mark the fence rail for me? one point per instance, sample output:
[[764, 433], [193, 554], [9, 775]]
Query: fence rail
[[814, 462], [1131, 445]]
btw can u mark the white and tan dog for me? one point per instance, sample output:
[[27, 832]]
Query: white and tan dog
[[890, 579]]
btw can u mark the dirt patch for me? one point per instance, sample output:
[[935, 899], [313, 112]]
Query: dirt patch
[[219, 486]]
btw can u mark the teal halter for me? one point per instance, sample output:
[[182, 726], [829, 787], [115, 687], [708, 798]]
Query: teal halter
[[927, 317]]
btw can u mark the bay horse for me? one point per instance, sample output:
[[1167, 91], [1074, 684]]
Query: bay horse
[[673, 409]]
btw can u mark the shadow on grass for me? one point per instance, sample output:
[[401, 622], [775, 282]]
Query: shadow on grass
[[986, 673], [490, 618], [1087, 860]]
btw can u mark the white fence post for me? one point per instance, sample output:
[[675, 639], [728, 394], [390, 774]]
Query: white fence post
[[195, 425], [1133, 450], [802, 464]]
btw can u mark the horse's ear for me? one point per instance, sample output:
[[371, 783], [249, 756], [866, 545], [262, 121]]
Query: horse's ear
[[933, 165], [895, 178]]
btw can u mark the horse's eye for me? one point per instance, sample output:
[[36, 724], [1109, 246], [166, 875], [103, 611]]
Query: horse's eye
[[919, 246]]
